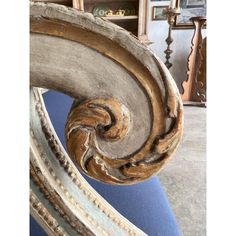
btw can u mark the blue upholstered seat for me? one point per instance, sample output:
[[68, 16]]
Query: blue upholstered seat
[[144, 204], [35, 228]]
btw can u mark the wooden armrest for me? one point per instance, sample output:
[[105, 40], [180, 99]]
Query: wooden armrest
[[124, 125]]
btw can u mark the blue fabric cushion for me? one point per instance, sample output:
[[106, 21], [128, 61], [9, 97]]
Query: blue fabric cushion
[[144, 204], [35, 228]]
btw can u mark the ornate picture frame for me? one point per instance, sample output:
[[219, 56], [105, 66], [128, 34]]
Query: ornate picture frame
[[157, 12], [189, 8]]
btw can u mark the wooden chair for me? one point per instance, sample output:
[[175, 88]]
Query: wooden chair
[[124, 125]]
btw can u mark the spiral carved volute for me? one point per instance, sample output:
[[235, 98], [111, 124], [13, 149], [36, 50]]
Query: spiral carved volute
[[105, 115], [110, 120]]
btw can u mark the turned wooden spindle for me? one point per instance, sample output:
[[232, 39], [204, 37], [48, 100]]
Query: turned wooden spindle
[[168, 51], [171, 14], [193, 88]]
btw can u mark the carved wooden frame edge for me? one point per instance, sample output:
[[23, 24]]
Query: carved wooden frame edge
[[170, 97], [51, 194]]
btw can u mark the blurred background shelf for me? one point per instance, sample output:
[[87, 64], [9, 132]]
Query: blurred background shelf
[[120, 18], [137, 24]]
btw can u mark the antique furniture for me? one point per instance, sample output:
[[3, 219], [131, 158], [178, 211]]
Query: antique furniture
[[195, 85], [124, 125], [170, 13], [134, 21]]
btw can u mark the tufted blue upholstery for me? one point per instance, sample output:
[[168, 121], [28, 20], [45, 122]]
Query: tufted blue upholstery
[[144, 204]]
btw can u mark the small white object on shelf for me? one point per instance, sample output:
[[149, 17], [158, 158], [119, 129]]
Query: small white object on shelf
[[172, 4]]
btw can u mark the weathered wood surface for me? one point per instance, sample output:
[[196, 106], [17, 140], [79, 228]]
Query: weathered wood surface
[[125, 124], [195, 85]]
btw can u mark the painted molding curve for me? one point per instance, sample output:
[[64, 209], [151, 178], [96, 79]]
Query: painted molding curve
[[124, 125]]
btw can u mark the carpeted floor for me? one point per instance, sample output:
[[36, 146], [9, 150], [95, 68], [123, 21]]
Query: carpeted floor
[[184, 177]]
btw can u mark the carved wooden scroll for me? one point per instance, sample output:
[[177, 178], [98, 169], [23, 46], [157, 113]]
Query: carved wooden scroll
[[124, 125], [195, 85]]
